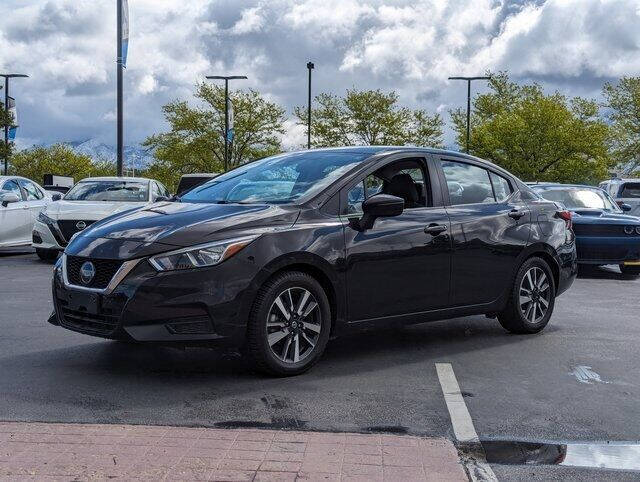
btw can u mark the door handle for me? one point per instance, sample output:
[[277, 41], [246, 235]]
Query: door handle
[[516, 214], [435, 229]]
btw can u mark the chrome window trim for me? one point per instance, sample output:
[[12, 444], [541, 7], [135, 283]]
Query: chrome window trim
[[123, 271]]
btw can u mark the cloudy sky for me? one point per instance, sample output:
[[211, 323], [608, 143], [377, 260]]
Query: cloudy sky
[[68, 48]]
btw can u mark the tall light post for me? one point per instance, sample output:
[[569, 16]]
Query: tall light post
[[122, 46], [226, 79], [6, 107], [469, 80], [310, 67], [119, 101]]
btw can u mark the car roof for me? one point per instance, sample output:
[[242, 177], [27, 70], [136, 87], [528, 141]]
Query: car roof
[[374, 150], [116, 178], [395, 149], [4, 178], [623, 179], [560, 185]]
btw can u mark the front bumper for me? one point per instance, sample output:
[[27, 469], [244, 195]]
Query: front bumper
[[199, 306], [49, 236], [601, 250]]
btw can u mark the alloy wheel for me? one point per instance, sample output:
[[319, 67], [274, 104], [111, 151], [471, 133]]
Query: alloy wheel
[[535, 295], [294, 325]]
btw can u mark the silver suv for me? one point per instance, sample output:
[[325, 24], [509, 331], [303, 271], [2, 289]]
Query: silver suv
[[624, 191]]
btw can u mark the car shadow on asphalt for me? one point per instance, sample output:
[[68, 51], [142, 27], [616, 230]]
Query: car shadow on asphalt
[[603, 272], [357, 353]]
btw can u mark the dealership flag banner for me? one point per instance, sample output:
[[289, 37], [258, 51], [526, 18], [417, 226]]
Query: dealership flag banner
[[230, 110], [14, 112], [125, 32]]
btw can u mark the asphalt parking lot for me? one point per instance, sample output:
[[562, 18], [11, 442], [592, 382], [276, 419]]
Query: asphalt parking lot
[[576, 381]]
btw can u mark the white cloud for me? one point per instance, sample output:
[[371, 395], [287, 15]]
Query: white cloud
[[147, 84], [251, 21], [411, 46]]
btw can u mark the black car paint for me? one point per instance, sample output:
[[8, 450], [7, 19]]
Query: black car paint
[[393, 273]]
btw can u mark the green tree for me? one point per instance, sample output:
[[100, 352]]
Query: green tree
[[537, 137], [623, 102], [369, 117], [195, 142], [59, 159], [6, 119]]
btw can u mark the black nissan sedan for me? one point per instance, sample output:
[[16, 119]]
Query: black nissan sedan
[[280, 254]]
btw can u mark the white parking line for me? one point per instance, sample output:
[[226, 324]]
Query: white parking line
[[463, 429]]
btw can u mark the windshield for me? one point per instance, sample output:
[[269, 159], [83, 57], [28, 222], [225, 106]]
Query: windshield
[[578, 198], [115, 191], [279, 179]]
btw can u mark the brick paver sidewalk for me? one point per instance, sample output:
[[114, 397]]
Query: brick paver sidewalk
[[39, 451]]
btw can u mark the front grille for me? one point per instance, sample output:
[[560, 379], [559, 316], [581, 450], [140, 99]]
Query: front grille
[[68, 227], [105, 270], [596, 253], [88, 322], [599, 230]]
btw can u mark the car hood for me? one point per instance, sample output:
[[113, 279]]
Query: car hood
[[87, 210], [599, 216], [186, 224]]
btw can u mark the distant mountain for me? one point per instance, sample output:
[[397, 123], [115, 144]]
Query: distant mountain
[[134, 156]]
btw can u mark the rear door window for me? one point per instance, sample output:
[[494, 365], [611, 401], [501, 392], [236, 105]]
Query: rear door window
[[467, 184], [33, 193], [501, 187]]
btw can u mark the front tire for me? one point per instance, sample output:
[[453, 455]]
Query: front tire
[[630, 270], [531, 300], [48, 255], [289, 324]]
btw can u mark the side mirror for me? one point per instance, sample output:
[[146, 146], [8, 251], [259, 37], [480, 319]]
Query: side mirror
[[625, 207], [378, 206], [9, 197], [160, 199], [56, 196]]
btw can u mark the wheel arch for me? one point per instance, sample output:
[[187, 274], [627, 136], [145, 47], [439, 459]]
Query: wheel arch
[[547, 253], [314, 266]]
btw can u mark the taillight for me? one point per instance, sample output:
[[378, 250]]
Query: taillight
[[566, 216]]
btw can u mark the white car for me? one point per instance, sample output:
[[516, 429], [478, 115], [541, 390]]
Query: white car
[[90, 200], [626, 193], [21, 201]]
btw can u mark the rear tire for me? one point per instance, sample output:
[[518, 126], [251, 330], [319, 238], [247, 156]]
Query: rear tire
[[630, 270], [48, 255], [283, 341], [531, 300]]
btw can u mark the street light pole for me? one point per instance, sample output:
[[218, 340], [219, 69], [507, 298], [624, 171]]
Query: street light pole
[[310, 67], [226, 79], [6, 108], [469, 80], [119, 128]]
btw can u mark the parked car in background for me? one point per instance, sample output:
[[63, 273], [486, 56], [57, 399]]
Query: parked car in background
[[88, 201], [21, 201], [626, 193], [189, 181], [604, 233], [282, 253]]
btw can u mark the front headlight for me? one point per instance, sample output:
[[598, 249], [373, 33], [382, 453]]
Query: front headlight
[[43, 218], [200, 256]]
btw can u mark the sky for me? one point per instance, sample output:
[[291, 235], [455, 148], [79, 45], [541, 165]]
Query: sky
[[68, 49]]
